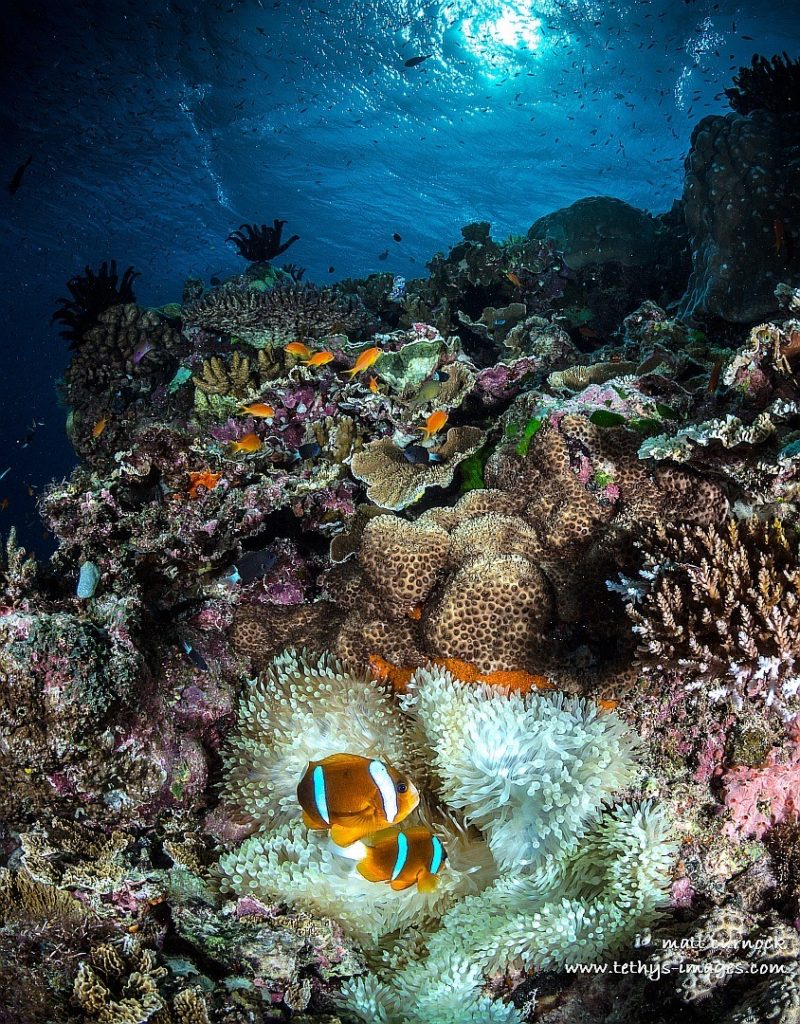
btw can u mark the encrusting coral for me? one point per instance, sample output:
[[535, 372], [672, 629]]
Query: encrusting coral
[[515, 786], [394, 481], [721, 603]]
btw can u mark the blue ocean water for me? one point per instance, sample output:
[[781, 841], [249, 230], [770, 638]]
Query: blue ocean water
[[157, 128]]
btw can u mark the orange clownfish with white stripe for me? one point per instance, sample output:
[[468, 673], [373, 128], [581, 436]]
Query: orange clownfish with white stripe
[[354, 796], [411, 857]]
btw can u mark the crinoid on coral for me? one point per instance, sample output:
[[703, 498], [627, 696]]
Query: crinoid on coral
[[259, 244], [721, 604], [18, 573], [772, 85], [92, 294], [395, 480], [492, 579], [278, 316], [538, 872]]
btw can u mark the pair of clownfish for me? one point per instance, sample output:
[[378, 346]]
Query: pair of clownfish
[[357, 797]]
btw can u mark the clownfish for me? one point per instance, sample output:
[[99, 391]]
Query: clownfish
[[403, 859], [354, 796]]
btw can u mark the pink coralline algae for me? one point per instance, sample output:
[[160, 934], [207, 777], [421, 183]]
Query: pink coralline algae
[[759, 798]]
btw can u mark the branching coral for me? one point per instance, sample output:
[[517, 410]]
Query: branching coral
[[722, 604], [564, 883], [261, 244], [766, 85], [92, 294], [18, 573]]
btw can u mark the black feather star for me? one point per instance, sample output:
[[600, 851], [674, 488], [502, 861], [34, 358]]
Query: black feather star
[[261, 244], [92, 294]]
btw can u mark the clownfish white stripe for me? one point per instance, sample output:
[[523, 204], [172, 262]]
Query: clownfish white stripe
[[383, 780], [402, 855], [320, 798], [436, 857]]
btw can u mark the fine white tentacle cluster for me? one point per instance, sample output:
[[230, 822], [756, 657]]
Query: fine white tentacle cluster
[[543, 870]]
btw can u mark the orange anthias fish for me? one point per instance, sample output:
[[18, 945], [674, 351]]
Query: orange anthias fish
[[514, 278], [373, 385], [403, 859], [368, 358], [299, 350], [319, 359], [354, 796], [248, 444], [258, 410], [99, 427], [434, 423]]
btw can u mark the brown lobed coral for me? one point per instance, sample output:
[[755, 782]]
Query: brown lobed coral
[[492, 581], [110, 349], [723, 606]]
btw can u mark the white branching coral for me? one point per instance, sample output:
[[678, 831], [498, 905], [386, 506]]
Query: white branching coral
[[539, 872], [530, 771], [301, 710]]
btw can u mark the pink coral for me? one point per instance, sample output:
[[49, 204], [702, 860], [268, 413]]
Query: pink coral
[[759, 798]]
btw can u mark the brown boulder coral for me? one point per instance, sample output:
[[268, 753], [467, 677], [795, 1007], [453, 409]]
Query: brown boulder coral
[[394, 483], [496, 578]]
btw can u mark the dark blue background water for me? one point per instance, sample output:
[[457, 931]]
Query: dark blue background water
[[156, 128]]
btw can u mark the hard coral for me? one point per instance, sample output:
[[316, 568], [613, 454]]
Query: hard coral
[[491, 577], [394, 482], [92, 294], [722, 603], [278, 316]]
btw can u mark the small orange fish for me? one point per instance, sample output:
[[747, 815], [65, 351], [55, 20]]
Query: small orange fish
[[99, 427], [434, 423], [403, 859], [607, 704], [4, 504], [258, 410], [373, 385], [299, 350], [368, 358], [249, 443], [513, 278], [319, 359], [354, 796], [588, 332], [713, 380]]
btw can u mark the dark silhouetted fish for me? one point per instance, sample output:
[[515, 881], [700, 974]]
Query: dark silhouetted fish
[[412, 62], [194, 656], [309, 451], [16, 180], [417, 455], [252, 566]]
